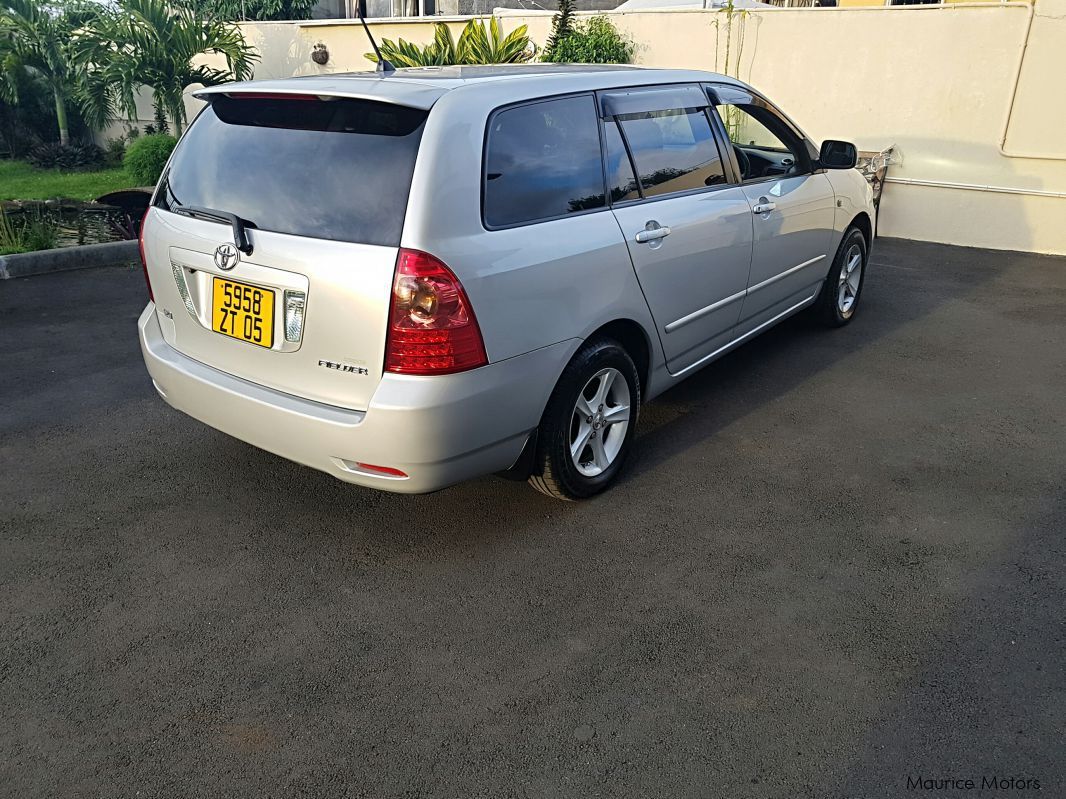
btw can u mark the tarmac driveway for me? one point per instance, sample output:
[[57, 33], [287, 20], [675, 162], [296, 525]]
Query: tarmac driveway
[[837, 564]]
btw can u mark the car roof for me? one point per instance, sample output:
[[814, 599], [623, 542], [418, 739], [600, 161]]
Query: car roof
[[421, 87]]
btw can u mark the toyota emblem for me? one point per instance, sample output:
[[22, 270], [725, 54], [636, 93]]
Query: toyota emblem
[[226, 256]]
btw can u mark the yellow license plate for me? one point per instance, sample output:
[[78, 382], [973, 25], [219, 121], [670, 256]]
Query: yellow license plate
[[243, 312]]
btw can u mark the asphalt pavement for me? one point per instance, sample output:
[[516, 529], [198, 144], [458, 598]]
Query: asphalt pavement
[[835, 566]]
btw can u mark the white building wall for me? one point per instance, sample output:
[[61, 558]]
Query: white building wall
[[971, 94]]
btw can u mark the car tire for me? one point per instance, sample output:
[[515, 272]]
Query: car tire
[[591, 412], [839, 298]]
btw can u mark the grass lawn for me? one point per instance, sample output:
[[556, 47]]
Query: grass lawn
[[20, 181]]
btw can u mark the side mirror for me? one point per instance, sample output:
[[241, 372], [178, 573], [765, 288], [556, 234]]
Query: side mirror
[[838, 154]]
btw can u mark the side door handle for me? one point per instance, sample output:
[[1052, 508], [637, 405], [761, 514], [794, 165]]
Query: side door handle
[[653, 231], [764, 206]]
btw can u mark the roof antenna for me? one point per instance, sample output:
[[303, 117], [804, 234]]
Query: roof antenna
[[385, 67]]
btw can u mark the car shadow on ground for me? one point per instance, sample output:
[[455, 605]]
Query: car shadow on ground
[[905, 282]]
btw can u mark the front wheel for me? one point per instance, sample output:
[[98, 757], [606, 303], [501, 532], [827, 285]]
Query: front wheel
[[589, 424], [840, 294]]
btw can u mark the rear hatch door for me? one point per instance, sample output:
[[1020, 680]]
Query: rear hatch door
[[272, 240]]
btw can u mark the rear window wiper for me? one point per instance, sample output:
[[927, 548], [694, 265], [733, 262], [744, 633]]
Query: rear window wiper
[[240, 233]]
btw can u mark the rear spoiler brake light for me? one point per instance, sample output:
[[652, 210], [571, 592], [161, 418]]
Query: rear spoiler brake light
[[275, 96]]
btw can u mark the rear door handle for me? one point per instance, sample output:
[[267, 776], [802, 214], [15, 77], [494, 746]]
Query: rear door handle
[[653, 232], [764, 206]]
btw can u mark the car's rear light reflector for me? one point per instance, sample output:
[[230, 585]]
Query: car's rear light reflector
[[384, 471], [432, 328], [140, 248], [294, 315], [183, 287]]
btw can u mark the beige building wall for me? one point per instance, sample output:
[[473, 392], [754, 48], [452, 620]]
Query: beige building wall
[[971, 94]]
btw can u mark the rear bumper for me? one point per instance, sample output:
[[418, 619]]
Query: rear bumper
[[438, 430]]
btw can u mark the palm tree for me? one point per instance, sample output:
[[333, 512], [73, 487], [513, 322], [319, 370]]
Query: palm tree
[[153, 43], [41, 38]]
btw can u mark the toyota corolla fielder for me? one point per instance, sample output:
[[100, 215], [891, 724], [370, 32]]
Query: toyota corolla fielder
[[414, 278]]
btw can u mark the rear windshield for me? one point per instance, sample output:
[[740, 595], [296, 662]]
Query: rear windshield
[[328, 169]]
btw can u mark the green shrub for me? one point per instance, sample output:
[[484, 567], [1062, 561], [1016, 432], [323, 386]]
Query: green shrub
[[159, 116], [594, 41], [27, 234], [146, 157], [10, 236], [478, 44], [29, 121], [562, 26], [39, 233], [74, 155], [28, 107], [115, 151]]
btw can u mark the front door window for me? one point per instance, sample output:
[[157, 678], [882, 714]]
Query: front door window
[[762, 144]]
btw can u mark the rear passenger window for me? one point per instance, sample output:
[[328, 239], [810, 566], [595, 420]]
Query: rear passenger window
[[543, 161], [674, 150]]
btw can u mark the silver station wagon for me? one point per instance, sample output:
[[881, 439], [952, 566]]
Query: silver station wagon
[[412, 278]]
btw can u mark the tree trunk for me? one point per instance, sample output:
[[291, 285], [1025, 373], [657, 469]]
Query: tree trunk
[[175, 107], [175, 112], [61, 116]]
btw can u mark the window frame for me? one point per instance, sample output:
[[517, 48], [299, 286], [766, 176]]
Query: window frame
[[628, 154], [485, 159], [808, 153], [728, 167]]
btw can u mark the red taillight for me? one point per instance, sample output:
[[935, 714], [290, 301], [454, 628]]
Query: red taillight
[[144, 262], [432, 329]]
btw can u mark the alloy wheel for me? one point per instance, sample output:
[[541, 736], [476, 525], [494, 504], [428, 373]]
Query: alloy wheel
[[849, 281], [599, 422]]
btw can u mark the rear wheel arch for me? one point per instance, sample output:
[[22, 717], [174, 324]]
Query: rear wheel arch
[[578, 450], [634, 340], [625, 333]]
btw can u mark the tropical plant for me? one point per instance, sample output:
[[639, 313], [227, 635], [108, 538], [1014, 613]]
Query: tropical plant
[[733, 30], [159, 119], [594, 41], [115, 151], [39, 233], [40, 38], [733, 16], [478, 44], [31, 233], [146, 157], [152, 43], [252, 9], [10, 236], [30, 118], [70, 156], [562, 26]]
